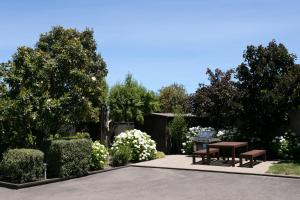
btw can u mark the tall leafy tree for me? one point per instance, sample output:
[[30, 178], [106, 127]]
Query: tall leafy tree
[[218, 102], [269, 82], [58, 83], [130, 101], [178, 129], [173, 97]]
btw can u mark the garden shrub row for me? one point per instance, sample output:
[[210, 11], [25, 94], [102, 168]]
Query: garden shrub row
[[67, 157]]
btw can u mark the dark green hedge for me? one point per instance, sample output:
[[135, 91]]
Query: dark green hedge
[[69, 157], [22, 165]]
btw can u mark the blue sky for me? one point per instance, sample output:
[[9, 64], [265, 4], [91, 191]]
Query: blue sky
[[160, 42]]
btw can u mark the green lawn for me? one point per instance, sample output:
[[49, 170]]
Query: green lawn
[[285, 167]]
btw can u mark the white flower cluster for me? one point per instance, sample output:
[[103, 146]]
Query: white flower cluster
[[230, 134], [220, 133], [280, 139], [143, 147], [99, 155]]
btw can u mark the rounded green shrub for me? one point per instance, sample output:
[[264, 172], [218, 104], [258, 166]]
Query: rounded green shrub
[[159, 154], [22, 165], [121, 155]]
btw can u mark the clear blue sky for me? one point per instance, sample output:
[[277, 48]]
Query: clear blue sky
[[160, 42]]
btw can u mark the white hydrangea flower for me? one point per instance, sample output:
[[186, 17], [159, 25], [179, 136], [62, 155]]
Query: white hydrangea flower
[[143, 147]]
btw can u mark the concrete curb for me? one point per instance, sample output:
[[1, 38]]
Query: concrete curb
[[53, 180], [107, 170], [30, 184], [224, 172]]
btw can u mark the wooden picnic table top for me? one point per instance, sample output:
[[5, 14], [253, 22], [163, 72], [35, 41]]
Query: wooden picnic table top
[[228, 144]]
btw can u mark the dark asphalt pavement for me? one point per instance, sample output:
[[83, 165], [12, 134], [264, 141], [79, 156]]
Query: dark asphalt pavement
[[135, 183]]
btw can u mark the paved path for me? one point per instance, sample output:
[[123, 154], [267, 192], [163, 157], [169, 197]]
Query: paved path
[[135, 183], [185, 162]]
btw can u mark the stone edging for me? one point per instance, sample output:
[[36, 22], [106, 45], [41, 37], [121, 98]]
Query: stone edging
[[225, 172], [53, 180]]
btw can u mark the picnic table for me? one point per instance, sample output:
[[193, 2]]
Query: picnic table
[[227, 145]]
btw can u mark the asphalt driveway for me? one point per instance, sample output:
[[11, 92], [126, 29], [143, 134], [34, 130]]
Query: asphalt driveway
[[136, 183]]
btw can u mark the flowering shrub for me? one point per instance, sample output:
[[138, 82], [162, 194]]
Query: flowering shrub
[[141, 144], [99, 155], [193, 132], [288, 145], [228, 134]]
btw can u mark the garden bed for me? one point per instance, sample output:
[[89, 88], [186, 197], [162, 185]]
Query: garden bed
[[4, 183]]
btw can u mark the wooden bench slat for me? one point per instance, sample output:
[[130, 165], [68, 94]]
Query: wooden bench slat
[[203, 153], [252, 154]]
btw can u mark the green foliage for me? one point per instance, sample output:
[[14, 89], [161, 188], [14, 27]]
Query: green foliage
[[218, 102], [22, 165], [287, 145], [172, 98], [99, 156], [159, 154], [42, 87], [69, 157], [70, 135], [234, 135], [121, 155], [257, 101], [130, 101], [269, 81], [178, 129]]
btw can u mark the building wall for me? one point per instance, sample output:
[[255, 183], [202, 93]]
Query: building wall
[[156, 127], [294, 123]]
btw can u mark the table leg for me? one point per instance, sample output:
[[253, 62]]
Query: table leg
[[233, 157], [194, 159], [207, 154], [246, 151]]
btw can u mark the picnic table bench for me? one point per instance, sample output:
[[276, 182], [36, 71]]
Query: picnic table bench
[[253, 154], [203, 153]]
